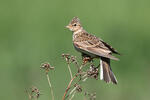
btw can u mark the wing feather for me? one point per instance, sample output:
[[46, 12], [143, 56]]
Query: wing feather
[[88, 47]]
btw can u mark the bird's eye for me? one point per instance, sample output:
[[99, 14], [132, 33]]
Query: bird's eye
[[74, 24]]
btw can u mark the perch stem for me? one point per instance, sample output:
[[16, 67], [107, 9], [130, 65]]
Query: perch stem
[[50, 86], [68, 87], [72, 95], [70, 71], [72, 90]]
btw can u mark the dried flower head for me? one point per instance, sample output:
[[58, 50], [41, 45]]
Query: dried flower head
[[73, 59], [78, 87], [67, 57], [46, 66], [93, 72], [36, 91], [33, 93], [92, 96]]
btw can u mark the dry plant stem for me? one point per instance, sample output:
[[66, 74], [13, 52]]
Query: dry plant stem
[[70, 71], [50, 86], [72, 90], [29, 95], [36, 98], [85, 98], [84, 79], [84, 75], [74, 87], [68, 87], [72, 95], [82, 65], [30, 98]]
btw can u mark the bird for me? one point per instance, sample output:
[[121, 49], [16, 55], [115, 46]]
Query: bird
[[91, 46]]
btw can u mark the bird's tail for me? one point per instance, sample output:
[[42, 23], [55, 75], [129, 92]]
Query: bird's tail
[[106, 73]]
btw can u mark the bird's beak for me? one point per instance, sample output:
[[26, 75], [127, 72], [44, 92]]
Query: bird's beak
[[67, 26]]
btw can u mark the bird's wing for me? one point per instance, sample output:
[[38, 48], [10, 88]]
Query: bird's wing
[[94, 48], [110, 47]]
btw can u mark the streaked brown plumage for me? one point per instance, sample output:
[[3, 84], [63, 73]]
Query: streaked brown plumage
[[91, 46]]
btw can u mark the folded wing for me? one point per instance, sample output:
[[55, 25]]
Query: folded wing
[[96, 49]]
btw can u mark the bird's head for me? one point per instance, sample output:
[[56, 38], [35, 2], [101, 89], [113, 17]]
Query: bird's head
[[74, 25]]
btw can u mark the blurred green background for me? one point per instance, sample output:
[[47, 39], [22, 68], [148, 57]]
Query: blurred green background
[[32, 32]]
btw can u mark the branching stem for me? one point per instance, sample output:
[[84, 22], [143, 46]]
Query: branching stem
[[68, 87]]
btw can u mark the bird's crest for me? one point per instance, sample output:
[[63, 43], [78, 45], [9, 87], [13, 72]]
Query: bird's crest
[[75, 20]]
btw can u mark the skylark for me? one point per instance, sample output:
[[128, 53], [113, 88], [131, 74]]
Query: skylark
[[93, 47]]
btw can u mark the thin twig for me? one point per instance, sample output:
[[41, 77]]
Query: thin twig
[[85, 98], [84, 79], [70, 71], [68, 87], [72, 95], [50, 86], [72, 90], [29, 95], [81, 66], [84, 75], [36, 98]]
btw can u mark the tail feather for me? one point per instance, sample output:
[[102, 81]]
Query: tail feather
[[106, 72], [101, 70]]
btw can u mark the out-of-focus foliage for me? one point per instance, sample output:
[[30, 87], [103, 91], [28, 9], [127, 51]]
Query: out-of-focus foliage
[[32, 32]]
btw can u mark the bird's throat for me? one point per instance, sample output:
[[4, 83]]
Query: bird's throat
[[77, 33]]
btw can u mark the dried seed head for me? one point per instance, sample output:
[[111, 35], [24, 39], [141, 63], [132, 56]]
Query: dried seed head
[[66, 57], [70, 59], [46, 66], [93, 72], [73, 59], [92, 96], [36, 91], [78, 87], [33, 93]]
